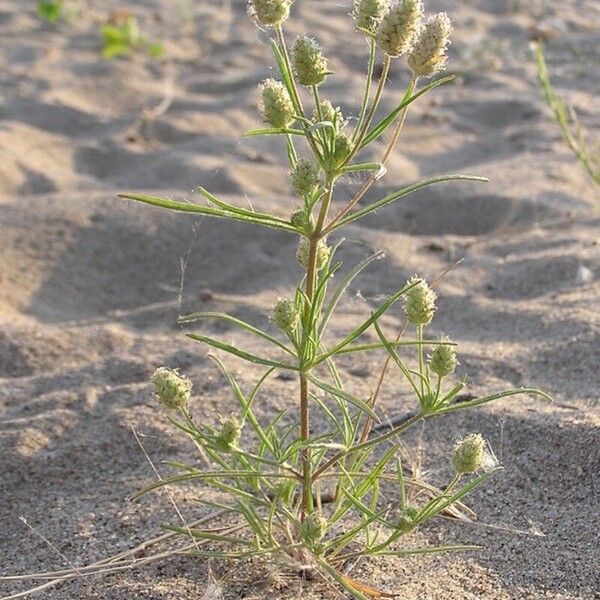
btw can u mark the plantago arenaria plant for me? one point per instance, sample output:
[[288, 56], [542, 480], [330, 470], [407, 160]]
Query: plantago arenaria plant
[[304, 488]]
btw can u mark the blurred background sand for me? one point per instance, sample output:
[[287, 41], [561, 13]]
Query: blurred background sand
[[91, 287]]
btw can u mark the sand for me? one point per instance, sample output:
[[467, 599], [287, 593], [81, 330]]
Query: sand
[[91, 287]]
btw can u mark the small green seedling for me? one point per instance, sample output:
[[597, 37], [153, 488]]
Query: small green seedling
[[567, 120], [53, 11], [122, 40]]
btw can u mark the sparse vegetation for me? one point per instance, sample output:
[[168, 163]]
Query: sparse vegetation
[[122, 37], [567, 120], [54, 11]]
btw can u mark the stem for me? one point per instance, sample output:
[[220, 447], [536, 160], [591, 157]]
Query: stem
[[365, 102], [295, 95], [311, 280], [452, 484], [367, 122], [366, 186], [369, 422], [286, 57], [319, 232], [400, 125], [368, 444], [306, 505], [319, 112], [421, 357], [292, 154], [317, 99]]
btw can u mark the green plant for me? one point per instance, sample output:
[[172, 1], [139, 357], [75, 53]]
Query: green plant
[[54, 10], [121, 40], [565, 116], [320, 497]]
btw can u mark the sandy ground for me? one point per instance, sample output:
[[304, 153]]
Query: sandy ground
[[90, 287]]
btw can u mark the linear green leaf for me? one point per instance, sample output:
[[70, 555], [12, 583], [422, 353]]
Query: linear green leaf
[[343, 286], [189, 207], [380, 128], [398, 344], [243, 324], [273, 131], [362, 328], [190, 477], [437, 505], [209, 535], [433, 550], [365, 510], [405, 192], [357, 168], [238, 210], [491, 398], [247, 356], [344, 395]]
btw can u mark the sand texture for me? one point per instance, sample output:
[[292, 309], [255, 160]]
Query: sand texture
[[91, 286]]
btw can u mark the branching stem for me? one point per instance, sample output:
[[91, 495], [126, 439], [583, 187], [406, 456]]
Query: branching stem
[[366, 186], [369, 80], [369, 119]]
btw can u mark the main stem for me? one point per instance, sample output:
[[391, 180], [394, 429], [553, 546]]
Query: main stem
[[311, 282], [304, 433]]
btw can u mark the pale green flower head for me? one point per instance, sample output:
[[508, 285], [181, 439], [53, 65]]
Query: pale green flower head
[[399, 27], [315, 526], [330, 113], [469, 454], [276, 105], [171, 389], [305, 178], [303, 250], [428, 55], [368, 14], [229, 436], [270, 12], [443, 360], [419, 302], [286, 315], [407, 521], [300, 219], [310, 65], [343, 147]]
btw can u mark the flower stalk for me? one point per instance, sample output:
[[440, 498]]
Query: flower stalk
[[278, 474]]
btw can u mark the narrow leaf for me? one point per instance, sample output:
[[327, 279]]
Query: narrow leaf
[[247, 356], [226, 206], [343, 286], [230, 319], [381, 127], [362, 328], [343, 395], [498, 396], [207, 211], [273, 131], [433, 550], [405, 192]]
